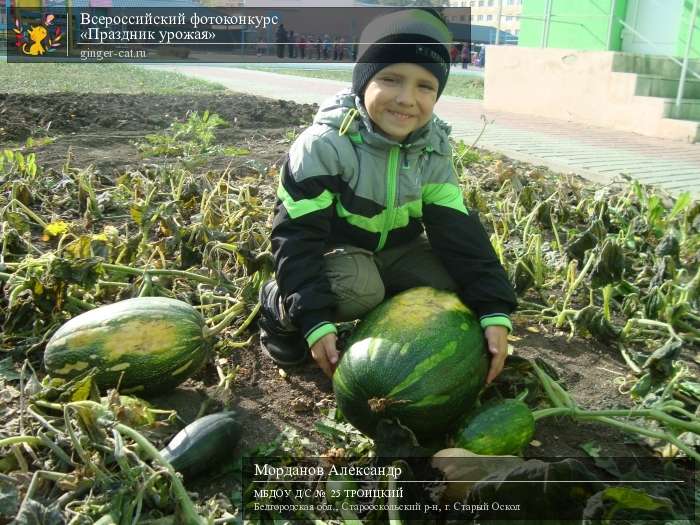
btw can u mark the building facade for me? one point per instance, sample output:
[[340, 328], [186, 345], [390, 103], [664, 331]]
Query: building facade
[[486, 13]]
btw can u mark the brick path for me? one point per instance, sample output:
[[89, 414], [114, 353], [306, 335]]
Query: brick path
[[598, 154]]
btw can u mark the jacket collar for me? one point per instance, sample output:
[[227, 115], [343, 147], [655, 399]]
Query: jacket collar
[[335, 112]]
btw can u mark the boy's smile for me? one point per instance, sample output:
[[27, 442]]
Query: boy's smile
[[400, 99]]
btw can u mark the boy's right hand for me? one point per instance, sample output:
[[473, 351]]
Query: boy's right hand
[[325, 353]]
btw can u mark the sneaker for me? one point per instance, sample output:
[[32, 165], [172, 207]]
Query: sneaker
[[285, 345]]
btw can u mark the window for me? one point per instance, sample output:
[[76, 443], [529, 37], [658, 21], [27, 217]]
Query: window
[[462, 18], [489, 18], [481, 3], [481, 17], [490, 3]]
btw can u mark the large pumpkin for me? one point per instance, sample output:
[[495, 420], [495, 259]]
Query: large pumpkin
[[419, 357], [146, 344]]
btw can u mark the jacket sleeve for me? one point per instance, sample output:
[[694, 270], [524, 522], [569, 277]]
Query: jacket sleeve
[[300, 233], [461, 242]]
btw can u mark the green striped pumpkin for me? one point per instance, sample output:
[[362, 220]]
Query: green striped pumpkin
[[151, 343], [419, 357], [503, 428]]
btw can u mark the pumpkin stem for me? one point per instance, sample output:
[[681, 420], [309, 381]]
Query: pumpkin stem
[[380, 404]]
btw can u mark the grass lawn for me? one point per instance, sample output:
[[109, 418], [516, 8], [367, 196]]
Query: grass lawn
[[457, 85], [97, 78]]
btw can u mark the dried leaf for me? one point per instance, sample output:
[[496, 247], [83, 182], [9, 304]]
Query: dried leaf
[[592, 319], [660, 363], [609, 264]]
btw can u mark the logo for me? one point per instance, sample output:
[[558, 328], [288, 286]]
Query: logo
[[38, 39]]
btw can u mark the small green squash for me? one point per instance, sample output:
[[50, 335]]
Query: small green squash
[[504, 428], [419, 357], [203, 445], [144, 345]]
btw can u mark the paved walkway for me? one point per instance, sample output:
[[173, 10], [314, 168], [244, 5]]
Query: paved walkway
[[598, 154]]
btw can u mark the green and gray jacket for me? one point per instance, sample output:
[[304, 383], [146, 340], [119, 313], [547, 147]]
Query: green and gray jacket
[[343, 183]]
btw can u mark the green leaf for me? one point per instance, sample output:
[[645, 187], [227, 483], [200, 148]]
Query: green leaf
[[630, 498], [546, 502], [34, 513], [9, 499], [591, 448], [690, 388], [334, 430], [7, 370], [682, 203], [235, 152], [623, 504], [17, 220], [80, 248], [83, 271], [83, 390]]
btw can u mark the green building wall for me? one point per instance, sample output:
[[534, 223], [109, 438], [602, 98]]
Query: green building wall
[[583, 25], [575, 24], [683, 32]]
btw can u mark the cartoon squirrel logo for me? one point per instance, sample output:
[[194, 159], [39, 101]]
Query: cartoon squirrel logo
[[36, 34], [38, 39]]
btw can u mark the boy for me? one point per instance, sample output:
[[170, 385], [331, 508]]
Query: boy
[[357, 190]]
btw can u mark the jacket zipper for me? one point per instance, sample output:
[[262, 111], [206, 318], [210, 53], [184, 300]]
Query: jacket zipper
[[392, 171]]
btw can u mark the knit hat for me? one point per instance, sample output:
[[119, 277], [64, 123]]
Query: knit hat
[[415, 36]]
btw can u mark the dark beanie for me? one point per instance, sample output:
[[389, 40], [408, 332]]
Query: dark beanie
[[414, 36]]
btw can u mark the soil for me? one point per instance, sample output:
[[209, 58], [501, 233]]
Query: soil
[[100, 131]]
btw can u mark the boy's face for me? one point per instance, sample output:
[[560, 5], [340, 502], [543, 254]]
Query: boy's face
[[400, 99]]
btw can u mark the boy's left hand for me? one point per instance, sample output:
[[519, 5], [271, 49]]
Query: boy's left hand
[[497, 340]]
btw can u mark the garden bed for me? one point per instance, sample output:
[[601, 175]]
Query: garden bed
[[111, 170]]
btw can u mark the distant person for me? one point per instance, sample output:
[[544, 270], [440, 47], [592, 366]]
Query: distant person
[[319, 43], [465, 56], [327, 47], [341, 52], [281, 39], [338, 45], [482, 56], [291, 51], [454, 52], [302, 47]]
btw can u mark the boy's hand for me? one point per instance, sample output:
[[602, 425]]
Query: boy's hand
[[497, 339], [325, 354]]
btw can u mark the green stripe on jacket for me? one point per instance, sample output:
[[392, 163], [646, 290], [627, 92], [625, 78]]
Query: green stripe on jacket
[[302, 207], [445, 194], [402, 214]]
